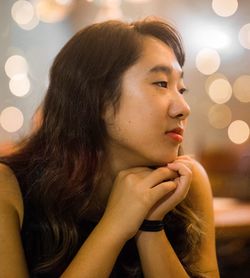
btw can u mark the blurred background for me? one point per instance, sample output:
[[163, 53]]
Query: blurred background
[[216, 37]]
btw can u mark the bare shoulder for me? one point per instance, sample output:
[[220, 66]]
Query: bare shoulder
[[200, 181], [200, 192], [201, 197], [10, 193], [12, 256], [199, 171], [200, 189]]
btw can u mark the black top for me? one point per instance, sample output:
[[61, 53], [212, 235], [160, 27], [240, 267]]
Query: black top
[[127, 264]]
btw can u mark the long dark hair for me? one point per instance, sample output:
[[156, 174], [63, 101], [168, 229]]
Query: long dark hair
[[58, 163]]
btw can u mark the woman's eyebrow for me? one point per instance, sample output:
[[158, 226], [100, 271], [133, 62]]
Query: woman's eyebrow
[[164, 69]]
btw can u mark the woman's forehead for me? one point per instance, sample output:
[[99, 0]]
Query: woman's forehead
[[157, 57]]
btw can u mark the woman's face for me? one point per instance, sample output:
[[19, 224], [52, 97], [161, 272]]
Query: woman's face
[[147, 128]]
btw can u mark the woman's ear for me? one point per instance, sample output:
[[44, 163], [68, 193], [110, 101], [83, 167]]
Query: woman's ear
[[108, 113]]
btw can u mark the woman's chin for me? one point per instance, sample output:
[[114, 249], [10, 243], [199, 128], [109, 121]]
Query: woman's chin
[[160, 162]]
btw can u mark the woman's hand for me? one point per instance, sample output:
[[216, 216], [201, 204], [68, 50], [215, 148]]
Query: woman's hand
[[135, 192], [182, 167]]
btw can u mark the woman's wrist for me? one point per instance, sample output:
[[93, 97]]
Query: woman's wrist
[[143, 237], [152, 225], [114, 229]]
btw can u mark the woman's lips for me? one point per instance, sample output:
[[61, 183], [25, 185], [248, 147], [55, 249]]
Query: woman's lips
[[175, 134]]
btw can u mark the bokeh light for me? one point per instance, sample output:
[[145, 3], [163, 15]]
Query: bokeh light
[[238, 132], [16, 64], [225, 7], [22, 12], [241, 88], [31, 24], [212, 78], [19, 85], [220, 91], [212, 36], [110, 9], [53, 11], [64, 2], [219, 116], [11, 119], [137, 1], [244, 36], [207, 61]]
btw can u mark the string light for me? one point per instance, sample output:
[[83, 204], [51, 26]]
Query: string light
[[31, 24], [220, 91], [225, 8], [244, 36], [64, 2], [22, 12], [53, 11], [16, 64], [238, 132], [138, 1], [212, 78], [241, 88], [19, 85], [219, 116], [109, 9], [11, 119], [211, 37], [207, 61]]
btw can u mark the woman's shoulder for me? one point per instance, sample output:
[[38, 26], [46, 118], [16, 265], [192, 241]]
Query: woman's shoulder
[[10, 193], [199, 175], [200, 191]]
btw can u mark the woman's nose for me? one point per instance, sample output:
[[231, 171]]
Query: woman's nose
[[179, 107]]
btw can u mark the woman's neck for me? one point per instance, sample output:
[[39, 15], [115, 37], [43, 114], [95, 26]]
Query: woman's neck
[[103, 185]]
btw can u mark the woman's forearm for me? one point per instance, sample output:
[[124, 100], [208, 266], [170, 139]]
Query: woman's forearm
[[97, 256], [158, 259]]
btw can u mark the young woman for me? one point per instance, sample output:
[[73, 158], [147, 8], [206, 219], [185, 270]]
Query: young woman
[[100, 188]]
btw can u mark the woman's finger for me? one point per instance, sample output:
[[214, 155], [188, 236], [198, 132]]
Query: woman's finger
[[183, 169], [158, 176], [162, 189], [183, 181]]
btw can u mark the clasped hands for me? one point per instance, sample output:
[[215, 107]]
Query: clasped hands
[[143, 193]]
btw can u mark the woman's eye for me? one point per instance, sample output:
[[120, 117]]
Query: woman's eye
[[183, 90], [162, 84]]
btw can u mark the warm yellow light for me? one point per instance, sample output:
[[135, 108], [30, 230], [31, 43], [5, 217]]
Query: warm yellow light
[[225, 7], [11, 119], [19, 85], [212, 36], [31, 24], [238, 132], [137, 1], [244, 36], [64, 2], [109, 10], [207, 61], [51, 11], [22, 12], [241, 88], [212, 78], [219, 116], [16, 64], [220, 91]]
